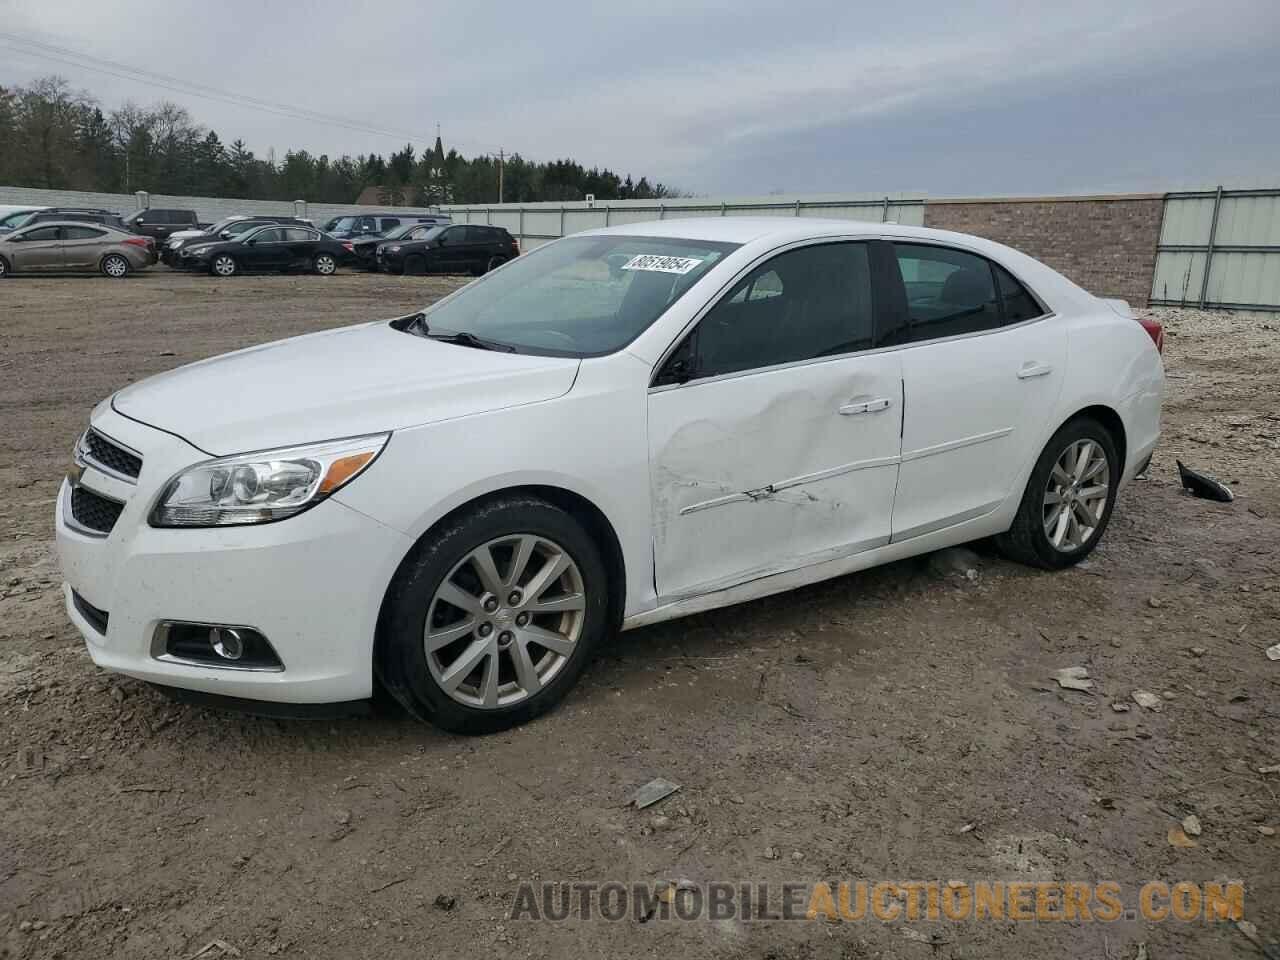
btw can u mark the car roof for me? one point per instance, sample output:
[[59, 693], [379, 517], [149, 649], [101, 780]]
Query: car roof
[[72, 223], [776, 231]]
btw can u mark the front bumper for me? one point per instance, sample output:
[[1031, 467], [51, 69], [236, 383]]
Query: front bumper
[[311, 584]]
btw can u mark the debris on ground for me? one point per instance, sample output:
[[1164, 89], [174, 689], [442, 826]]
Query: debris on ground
[[1191, 825], [1148, 701], [653, 791], [445, 901], [1199, 651], [954, 562], [223, 949], [1273, 652], [771, 853], [1274, 768], [1178, 838], [1073, 678], [1198, 485], [1155, 603], [1267, 831], [1141, 953], [1120, 707]]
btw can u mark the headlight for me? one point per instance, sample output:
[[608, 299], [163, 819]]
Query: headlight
[[195, 249], [265, 486]]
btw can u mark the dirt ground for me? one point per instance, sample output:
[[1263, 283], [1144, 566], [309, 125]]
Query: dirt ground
[[847, 731]]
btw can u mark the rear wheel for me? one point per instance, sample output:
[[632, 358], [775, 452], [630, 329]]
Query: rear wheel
[[1068, 500], [494, 263], [493, 618], [115, 266], [224, 265], [324, 264]]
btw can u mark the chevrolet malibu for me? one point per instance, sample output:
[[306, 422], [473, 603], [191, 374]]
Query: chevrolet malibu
[[622, 427]]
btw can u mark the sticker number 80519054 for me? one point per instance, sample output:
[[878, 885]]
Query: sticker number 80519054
[[661, 264]]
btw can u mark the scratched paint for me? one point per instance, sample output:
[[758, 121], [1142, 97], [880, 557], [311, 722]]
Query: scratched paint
[[762, 470]]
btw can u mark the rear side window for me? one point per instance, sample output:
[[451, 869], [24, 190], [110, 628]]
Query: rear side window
[[949, 292], [81, 233], [390, 223], [1018, 304], [268, 236], [801, 305], [297, 233]]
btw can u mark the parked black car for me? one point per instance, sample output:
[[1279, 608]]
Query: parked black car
[[159, 223], [376, 224], [365, 249], [460, 248], [269, 247], [79, 215], [225, 229]]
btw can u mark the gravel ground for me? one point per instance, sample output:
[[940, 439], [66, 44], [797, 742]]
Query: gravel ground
[[850, 730]]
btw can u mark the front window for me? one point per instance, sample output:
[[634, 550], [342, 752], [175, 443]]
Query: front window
[[343, 224], [240, 226], [584, 296]]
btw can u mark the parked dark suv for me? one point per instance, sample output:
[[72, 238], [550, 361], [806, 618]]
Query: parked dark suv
[[158, 223], [459, 248]]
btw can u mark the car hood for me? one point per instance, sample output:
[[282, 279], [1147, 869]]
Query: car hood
[[188, 234], [337, 383]]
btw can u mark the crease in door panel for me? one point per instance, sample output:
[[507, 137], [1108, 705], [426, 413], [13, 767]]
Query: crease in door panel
[[769, 491]]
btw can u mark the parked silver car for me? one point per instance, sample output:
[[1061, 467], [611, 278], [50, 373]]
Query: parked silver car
[[70, 246]]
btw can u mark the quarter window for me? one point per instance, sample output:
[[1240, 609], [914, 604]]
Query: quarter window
[[81, 233], [801, 305], [1018, 304], [949, 292]]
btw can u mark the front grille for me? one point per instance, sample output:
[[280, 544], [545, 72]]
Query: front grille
[[108, 453], [94, 512], [98, 619]]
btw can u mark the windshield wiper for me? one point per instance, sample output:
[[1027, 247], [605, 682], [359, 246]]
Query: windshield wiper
[[418, 325]]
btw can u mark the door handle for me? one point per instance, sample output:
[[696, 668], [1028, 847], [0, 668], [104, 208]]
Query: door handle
[[864, 406], [1033, 369]]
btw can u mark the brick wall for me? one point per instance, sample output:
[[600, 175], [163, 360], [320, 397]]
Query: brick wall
[[1105, 244]]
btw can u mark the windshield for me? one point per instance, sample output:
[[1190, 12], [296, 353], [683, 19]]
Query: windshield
[[240, 226], [343, 223], [13, 219], [401, 231], [223, 224], [584, 296]]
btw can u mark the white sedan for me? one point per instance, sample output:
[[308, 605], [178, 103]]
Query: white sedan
[[621, 427]]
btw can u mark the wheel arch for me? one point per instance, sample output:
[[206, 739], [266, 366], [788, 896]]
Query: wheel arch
[[7, 265], [593, 519], [1109, 418]]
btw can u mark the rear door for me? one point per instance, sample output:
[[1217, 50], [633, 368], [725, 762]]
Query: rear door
[[39, 248], [82, 246], [773, 427], [982, 367], [302, 244]]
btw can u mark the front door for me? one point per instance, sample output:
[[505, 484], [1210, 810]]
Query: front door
[[267, 250], [451, 256], [982, 371], [773, 441], [39, 248]]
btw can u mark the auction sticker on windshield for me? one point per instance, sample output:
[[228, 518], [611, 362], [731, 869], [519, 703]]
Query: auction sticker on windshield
[[661, 264]]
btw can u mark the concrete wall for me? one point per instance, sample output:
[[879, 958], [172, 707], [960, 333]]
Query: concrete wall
[[1105, 244], [207, 209]]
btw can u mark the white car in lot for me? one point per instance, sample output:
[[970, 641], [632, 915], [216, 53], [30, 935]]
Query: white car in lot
[[622, 427]]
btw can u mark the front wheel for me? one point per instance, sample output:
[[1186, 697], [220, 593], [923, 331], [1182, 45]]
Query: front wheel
[[4, 268], [115, 266], [224, 265], [492, 619], [324, 264], [1068, 500]]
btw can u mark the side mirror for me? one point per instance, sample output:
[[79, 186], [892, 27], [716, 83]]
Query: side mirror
[[225, 235]]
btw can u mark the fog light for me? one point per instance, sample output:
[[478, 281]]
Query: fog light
[[226, 643]]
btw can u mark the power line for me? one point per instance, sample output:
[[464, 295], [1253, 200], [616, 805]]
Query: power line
[[173, 84]]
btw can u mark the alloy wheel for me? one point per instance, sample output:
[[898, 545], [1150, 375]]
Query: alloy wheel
[[1075, 498], [224, 266], [325, 264], [115, 266], [505, 621]]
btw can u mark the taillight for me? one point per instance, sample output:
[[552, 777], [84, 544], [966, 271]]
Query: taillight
[[516, 244], [1154, 330], [138, 241], [348, 247]]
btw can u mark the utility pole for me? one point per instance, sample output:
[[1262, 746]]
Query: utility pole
[[500, 159]]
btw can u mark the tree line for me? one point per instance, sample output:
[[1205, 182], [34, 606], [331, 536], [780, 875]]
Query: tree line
[[55, 137]]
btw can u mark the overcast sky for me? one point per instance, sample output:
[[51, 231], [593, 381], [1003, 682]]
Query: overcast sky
[[950, 97]]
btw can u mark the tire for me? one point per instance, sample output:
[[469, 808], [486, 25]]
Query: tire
[[224, 265], [1039, 521], [4, 268], [493, 264], [473, 639], [324, 264], [114, 266], [415, 266]]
